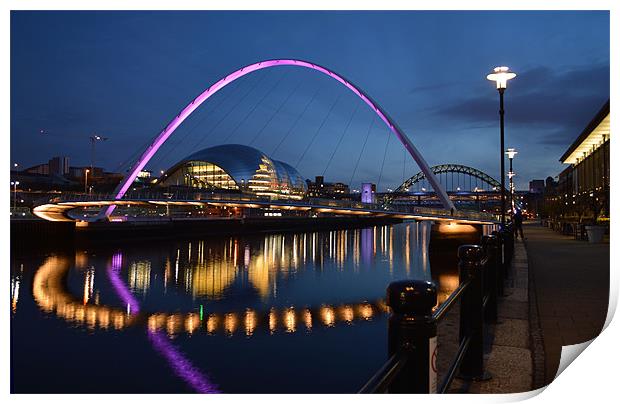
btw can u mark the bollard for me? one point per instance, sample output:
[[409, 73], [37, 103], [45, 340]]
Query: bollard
[[491, 274], [509, 248], [412, 331], [501, 274], [472, 317]]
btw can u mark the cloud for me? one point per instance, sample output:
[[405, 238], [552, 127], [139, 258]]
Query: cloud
[[541, 97]]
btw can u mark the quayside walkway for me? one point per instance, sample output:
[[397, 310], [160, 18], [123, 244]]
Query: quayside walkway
[[556, 294], [570, 281]]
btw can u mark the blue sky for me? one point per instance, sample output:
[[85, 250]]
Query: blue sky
[[125, 75]]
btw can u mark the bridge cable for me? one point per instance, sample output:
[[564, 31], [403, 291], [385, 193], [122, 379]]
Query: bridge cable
[[288, 97], [318, 130], [255, 106], [232, 108], [404, 162], [372, 122], [346, 128], [123, 166], [148, 142], [221, 101], [290, 130], [384, 156]]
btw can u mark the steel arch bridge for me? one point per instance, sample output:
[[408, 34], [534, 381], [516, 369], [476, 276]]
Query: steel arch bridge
[[161, 138], [450, 168]]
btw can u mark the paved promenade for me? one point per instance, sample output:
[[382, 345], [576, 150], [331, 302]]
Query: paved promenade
[[508, 346], [570, 281], [556, 294]]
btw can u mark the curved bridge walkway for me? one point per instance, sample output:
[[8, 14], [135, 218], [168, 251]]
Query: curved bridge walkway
[[58, 209]]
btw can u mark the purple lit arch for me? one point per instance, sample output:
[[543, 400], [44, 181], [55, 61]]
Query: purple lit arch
[[167, 132]]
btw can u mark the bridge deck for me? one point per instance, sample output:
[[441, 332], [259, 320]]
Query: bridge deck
[[58, 209]]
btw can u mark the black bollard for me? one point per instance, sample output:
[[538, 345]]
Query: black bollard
[[491, 274], [501, 274], [472, 317], [413, 332]]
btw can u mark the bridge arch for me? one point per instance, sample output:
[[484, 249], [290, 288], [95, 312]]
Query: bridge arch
[[129, 178], [450, 168]]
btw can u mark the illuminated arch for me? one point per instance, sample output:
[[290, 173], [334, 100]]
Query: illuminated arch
[[450, 168], [122, 188]]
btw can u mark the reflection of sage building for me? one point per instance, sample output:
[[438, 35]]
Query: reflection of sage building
[[236, 168]]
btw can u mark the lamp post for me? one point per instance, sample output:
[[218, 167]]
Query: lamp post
[[15, 184], [511, 153], [500, 76], [94, 139], [86, 180]]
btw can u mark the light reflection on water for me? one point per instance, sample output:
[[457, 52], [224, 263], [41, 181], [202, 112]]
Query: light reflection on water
[[260, 273], [242, 287]]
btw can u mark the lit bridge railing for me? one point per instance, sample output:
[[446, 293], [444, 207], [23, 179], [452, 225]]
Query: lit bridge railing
[[329, 205]]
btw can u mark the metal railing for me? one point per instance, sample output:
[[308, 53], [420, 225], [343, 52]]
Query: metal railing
[[412, 326]]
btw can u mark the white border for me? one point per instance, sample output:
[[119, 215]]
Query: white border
[[592, 377]]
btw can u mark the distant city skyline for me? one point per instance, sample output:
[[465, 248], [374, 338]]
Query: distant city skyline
[[125, 75]]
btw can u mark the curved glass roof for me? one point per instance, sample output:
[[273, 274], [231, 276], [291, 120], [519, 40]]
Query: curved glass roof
[[242, 162]]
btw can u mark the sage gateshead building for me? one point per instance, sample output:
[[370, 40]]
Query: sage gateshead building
[[236, 168]]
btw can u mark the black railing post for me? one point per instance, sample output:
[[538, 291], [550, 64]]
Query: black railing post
[[501, 273], [413, 332], [491, 274], [471, 313]]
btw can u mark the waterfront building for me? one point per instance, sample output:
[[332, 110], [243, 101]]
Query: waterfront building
[[41, 169], [537, 186], [321, 189], [59, 166], [368, 192], [236, 168], [582, 189]]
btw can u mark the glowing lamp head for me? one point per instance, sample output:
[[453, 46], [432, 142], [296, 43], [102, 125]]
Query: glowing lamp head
[[511, 153], [500, 76]]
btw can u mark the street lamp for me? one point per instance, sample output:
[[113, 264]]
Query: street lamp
[[94, 139], [86, 180], [15, 184], [511, 153], [500, 76]]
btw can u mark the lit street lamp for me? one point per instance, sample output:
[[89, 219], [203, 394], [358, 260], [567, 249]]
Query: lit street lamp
[[511, 153], [15, 184], [500, 76], [86, 180]]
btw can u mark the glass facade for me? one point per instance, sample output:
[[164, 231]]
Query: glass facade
[[236, 168], [201, 174]]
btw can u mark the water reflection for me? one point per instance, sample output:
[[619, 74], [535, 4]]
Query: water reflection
[[257, 290], [210, 271], [50, 294]]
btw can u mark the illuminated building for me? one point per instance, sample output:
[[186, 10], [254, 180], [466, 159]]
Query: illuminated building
[[583, 187], [319, 188], [236, 168], [588, 156], [368, 192]]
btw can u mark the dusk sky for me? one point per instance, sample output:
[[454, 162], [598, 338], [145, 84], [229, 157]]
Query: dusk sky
[[125, 75]]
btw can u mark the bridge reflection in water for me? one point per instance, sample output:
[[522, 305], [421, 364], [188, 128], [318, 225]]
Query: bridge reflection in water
[[206, 272]]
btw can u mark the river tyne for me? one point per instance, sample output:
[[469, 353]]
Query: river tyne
[[262, 313]]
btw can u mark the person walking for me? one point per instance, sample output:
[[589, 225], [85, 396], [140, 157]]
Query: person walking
[[518, 222]]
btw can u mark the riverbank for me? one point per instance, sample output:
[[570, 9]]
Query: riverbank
[[29, 232]]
